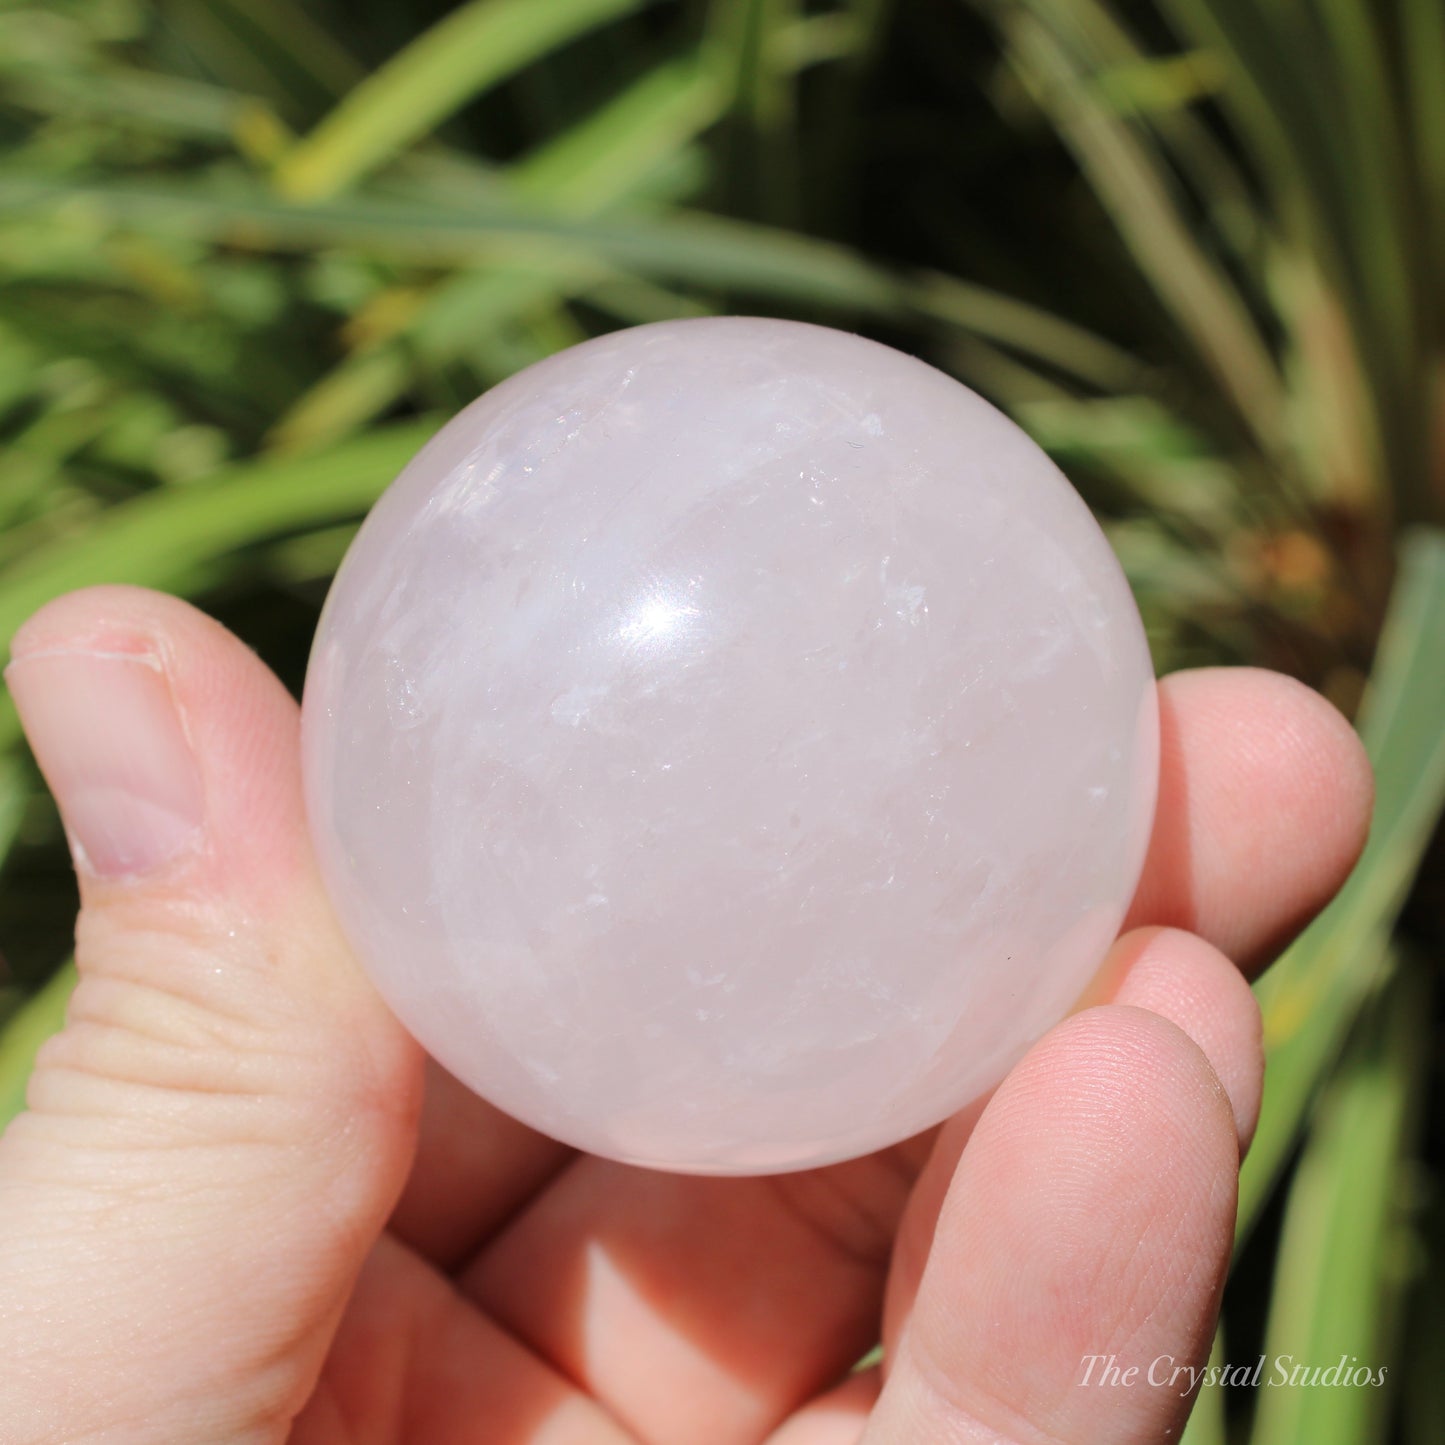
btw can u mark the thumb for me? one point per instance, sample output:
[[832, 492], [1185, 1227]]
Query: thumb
[[215, 1138]]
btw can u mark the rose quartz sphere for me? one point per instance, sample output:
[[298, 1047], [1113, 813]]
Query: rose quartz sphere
[[729, 744]]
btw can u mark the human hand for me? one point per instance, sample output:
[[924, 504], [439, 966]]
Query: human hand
[[233, 1214]]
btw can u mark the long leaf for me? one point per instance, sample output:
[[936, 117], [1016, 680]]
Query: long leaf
[[1110, 51], [1135, 190], [604, 157], [288, 30], [599, 162], [163, 539], [1422, 1406], [165, 103], [269, 48], [703, 249], [1422, 24], [1313, 994], [1293, 96], [758, 148], [1206, 1420], [463, 55], [38, 1018], [685, 247], [1338, 1280]]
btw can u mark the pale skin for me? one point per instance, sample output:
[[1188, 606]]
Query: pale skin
[[242, 1207]]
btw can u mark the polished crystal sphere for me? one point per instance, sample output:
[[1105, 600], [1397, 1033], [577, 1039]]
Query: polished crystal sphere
[[729, 744]]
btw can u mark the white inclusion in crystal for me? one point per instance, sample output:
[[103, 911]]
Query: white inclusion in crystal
[[908, 603], [576, 703], [403, 697]]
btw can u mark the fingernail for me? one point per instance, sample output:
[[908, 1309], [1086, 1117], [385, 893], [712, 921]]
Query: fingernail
[[106, 733]]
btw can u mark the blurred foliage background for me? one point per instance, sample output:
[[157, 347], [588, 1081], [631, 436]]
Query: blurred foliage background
[[253, 251]]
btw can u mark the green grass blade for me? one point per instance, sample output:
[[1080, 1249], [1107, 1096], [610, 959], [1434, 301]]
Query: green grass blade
[[1422, 1404], [313, 556], [1386, 215], [1302, 101], [269, 48], [290, 31], [634, 302], [1422, 23], [33, 1023], [150, 99], [1132, 184], [600, 160], [163, 538], [691, 247], [684, 247], [841, 132], [1163, 90], [596, 164], [758, 147], [1313, 994], [361, 387], [460, 57], [1365, 109], [14, 794], [1206, 1420], [1029, 330], [1337, 1286]]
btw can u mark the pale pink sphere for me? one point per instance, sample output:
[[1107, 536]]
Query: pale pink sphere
[[729, 744]]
